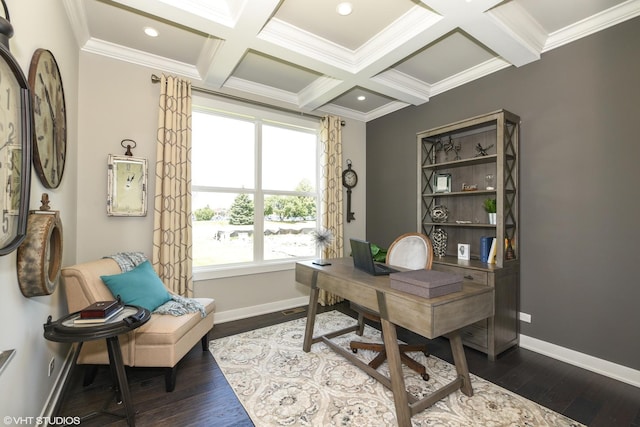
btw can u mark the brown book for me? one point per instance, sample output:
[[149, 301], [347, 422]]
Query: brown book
[[100, 309]]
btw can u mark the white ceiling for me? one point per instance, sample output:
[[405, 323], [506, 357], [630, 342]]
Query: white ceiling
[[300, 54]]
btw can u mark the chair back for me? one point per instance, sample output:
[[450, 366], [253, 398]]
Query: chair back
[[411, 250]]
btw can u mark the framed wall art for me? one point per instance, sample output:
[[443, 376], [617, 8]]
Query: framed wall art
[[127, 186]]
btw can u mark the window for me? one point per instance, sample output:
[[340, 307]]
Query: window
[[254, 185]]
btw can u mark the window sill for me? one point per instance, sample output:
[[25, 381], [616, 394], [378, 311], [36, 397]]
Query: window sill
[[208, 273]]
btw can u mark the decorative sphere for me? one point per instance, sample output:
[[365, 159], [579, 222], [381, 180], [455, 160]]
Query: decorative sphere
[[439, 213]]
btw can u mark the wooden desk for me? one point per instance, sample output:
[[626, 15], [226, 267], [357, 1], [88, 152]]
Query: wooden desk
[[429, 317]]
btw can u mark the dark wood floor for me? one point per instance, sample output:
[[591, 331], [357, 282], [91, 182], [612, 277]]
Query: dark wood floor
[[202, 396]]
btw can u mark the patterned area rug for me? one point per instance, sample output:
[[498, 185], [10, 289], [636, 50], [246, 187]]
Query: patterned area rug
[[281, 385]]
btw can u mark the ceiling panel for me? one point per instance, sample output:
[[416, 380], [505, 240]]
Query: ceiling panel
[[448, 56], [265, 70], [554, 15]]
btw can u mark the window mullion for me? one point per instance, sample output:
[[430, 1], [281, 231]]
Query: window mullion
[[258, 203]]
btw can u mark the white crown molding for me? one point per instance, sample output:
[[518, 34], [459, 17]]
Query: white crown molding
[[258, 89], [363, 117], [206, 58], [517, 22], [469, 75], [418, 90], [319, 87], [590, 363], [133, 56], [598, 22], [285, 35], [400, 32], [78, 20]]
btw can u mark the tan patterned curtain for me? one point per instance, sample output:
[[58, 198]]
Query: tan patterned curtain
[[172, 208], [332, 217]]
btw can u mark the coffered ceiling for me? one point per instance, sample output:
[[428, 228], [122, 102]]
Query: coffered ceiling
[[303, 55]]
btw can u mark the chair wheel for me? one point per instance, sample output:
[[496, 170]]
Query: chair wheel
[[425, 377]]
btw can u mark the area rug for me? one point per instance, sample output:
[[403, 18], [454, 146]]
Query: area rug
[[280, 385]]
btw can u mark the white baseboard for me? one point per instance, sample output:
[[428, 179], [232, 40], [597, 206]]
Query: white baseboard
[[590, 363], [256, 310]]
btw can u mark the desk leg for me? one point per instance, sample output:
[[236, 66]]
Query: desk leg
[[311, 313], [398, 387], [460, 360], [116, 363]]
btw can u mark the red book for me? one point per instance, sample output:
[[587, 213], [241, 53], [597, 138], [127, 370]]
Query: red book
[[100, 309]]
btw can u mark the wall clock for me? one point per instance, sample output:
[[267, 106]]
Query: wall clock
[[49, 118], [349, 180], [127, 186], [15, 152]]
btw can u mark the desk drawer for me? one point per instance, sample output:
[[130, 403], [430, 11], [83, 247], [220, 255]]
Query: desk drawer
[[475, 276], [476, 333]]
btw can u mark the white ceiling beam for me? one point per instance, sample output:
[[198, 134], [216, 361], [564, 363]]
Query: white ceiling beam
[[250, 21], [510, 38]]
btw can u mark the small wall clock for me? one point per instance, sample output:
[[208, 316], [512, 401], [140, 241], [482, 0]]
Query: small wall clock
[[127, 186], [49, 118], [349, 180]]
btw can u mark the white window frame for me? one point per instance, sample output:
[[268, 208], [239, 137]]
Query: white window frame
[[270, 117]]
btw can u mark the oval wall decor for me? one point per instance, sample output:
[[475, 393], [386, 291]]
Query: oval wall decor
[[40, 255]]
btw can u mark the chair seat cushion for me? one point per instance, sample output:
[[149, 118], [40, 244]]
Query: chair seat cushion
[[165, 329], [140, 286]]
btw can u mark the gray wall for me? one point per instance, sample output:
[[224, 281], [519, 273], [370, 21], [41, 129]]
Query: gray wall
[[579, 185]]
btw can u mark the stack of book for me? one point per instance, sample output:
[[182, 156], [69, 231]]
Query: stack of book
[[488, 249], [99, 312]]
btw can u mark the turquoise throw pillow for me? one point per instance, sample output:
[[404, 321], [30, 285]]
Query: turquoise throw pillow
[[140, 286]]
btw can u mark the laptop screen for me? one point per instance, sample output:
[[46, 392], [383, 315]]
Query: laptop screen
[[362, 258]]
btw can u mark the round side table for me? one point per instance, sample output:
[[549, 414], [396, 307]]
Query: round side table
[[130, 318]]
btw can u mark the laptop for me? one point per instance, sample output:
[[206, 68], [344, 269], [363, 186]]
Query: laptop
[[363, 259]]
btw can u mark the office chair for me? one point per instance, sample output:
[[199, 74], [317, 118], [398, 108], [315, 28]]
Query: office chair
[[413, 251]]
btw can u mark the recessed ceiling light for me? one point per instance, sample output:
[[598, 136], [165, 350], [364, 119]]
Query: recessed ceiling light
[[151, 32], [344, 8], [362, 98]]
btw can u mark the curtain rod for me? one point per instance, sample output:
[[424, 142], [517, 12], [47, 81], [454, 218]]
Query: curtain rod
[[156, 79]]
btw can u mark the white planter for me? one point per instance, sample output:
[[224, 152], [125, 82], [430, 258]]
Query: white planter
[[493, 218]]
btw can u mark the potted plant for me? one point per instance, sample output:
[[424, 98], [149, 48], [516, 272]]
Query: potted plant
[[491, 208]]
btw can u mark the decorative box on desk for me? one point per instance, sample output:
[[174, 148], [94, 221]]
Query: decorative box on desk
[[426, 283]]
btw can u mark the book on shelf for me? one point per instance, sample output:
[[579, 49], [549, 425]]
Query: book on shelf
[[492, 252], [100, 309], [485, 245], [97, 320]]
